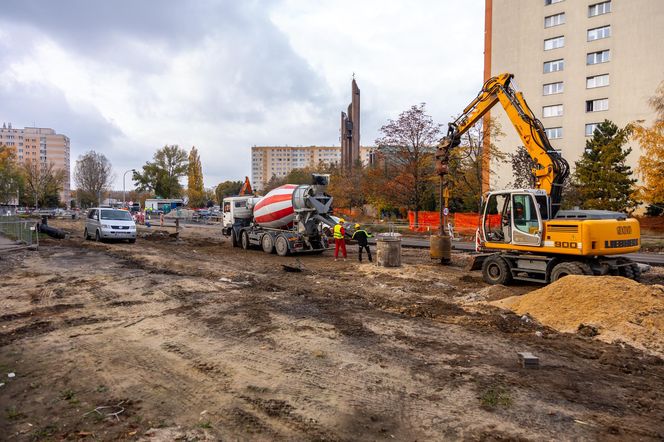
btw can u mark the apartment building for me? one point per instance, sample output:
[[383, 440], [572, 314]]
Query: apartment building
[[268, 161], [578, 62], [43, 145]]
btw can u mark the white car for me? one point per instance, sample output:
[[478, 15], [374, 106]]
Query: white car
[[107, 223]]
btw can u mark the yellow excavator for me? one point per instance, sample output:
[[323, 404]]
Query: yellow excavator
[[526, 234]]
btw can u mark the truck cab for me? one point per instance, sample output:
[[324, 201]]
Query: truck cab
[[236, 210]]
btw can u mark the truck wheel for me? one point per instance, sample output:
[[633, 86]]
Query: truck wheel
[[267, 242], [234, 239], [566, 268], [244, 239], [281, 245], [495, 270], [97, 236]]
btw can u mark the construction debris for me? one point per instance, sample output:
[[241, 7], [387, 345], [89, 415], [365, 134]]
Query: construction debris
[[528, 360]]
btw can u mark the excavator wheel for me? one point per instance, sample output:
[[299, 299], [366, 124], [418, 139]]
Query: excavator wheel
[[569, 268], [495, 270]]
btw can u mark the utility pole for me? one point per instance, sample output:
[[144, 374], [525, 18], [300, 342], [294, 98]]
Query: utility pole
[[124, 199]]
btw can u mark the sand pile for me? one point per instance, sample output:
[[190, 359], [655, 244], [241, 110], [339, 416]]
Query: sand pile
[[614, 307]]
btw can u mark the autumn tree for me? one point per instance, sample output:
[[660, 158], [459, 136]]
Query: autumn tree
[[651, 161], [11, 178], [162, 175], [195, 189], [407, 145], [602, 180], [227, 188], [41, 184], [466, 164], [93, 175], [522, 169]]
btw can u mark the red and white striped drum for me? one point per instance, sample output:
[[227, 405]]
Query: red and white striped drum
[[275, 210]]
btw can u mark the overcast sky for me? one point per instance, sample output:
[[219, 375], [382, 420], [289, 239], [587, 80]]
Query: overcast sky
[[126, 77]]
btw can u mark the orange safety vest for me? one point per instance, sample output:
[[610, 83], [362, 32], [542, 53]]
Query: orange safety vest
[[338, 233]]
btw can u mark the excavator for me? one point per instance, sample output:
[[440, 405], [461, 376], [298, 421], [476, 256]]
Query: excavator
[[524, 233]]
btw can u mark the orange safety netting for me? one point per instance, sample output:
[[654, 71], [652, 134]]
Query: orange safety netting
[[465, 223]]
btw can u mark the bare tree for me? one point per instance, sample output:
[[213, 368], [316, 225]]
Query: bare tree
[[42, 182], [93, 175], [407, 145]]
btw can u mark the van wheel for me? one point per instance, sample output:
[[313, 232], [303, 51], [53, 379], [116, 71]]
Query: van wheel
[[281, 245], [267, 242], [97, 236], [244, 238], [495, 270]]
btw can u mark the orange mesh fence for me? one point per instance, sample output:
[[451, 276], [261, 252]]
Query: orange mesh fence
[[427, 221], [464, 223]]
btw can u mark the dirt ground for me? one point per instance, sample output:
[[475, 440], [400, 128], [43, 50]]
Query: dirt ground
[[191, 339]]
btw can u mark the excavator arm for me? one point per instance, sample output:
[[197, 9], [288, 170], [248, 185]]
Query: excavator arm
[[550, 168]]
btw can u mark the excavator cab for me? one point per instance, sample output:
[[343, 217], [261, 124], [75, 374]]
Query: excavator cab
[[515, 216]]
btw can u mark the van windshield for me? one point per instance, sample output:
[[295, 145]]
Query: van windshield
[[115, 215]]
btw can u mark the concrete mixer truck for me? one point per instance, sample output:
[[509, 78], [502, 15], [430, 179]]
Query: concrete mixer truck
[[288, 219]]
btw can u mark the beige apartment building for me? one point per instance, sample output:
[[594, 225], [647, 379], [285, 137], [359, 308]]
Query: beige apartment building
[[43, 145], [268, 161], [578, 62]]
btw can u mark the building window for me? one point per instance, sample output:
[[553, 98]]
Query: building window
[[554, 43], [599, 33], [597, 81], [590, 129], [554, 132], [599, 9], [599, 105], [554, 20], [554, 66], [598, 57], [552, 111], [551, 2]]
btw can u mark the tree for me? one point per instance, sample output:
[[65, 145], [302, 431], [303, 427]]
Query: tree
[[651, 161], [93, 175], [195, 189], [162, 175], [41, 184], [227, 188], [407, 145], [522, 169], [602, 180], [466, 165], [11, 178]]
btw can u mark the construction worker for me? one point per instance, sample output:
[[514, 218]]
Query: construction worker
[[362, 237], [339, 241]]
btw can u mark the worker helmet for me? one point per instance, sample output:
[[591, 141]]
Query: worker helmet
[[341, 220], [357, 226]]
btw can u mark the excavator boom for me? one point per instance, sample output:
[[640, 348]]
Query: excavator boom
[[550, 168]]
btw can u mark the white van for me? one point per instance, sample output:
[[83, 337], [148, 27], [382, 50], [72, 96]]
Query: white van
[[108, 223]]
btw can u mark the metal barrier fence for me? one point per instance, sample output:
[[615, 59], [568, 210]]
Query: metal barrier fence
[[23, 231]]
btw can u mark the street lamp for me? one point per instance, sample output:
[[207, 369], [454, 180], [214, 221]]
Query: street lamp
[[124, 199]]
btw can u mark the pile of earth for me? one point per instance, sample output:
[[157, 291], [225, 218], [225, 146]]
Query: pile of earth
[[612, 308]]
